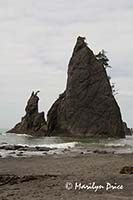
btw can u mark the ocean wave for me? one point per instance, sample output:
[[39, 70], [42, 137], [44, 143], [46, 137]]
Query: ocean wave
[[23, 135], [54, 145], [17, 135], [60, 145], [116, 145]]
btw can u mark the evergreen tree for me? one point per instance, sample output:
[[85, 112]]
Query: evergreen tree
[[101, 56]]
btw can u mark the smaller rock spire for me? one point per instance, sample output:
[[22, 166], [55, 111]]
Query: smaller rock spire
[[33, 122]]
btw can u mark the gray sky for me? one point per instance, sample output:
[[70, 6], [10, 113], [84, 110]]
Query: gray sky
[[36, 42]]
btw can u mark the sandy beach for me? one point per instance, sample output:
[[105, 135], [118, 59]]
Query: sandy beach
[[66, 177]]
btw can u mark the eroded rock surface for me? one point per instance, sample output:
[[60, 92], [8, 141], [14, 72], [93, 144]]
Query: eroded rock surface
[[126, 129], [33, 122], [87, 107]]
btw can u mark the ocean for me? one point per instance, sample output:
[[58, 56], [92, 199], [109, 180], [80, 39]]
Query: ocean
[[63, 143]]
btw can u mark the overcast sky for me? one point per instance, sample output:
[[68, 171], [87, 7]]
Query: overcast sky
[[36, 42]]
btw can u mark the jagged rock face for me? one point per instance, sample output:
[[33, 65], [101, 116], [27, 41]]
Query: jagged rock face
[[33, 122], [87, 107], [126, 129]]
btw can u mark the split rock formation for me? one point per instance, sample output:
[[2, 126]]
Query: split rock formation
[[33, 123]]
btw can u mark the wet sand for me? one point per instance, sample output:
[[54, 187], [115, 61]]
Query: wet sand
[[57, 170]]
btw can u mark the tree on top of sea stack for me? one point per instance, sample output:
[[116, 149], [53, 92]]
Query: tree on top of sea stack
[[101, 56], [33, 123], [87, 107]]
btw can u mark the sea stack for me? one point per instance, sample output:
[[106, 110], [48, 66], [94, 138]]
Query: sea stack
[[33, 123], [87, 107]]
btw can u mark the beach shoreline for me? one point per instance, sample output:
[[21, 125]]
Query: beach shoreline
[[54, 173]]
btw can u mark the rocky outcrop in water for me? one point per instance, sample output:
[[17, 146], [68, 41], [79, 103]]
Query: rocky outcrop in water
[[87, 107], [33, 122], [126, 129]]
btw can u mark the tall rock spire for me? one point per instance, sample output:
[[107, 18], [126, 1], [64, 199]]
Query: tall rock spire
[[87, 107]]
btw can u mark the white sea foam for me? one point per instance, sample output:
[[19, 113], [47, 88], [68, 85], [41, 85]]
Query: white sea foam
[[23, 135], [59, 145], [115, 145]]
